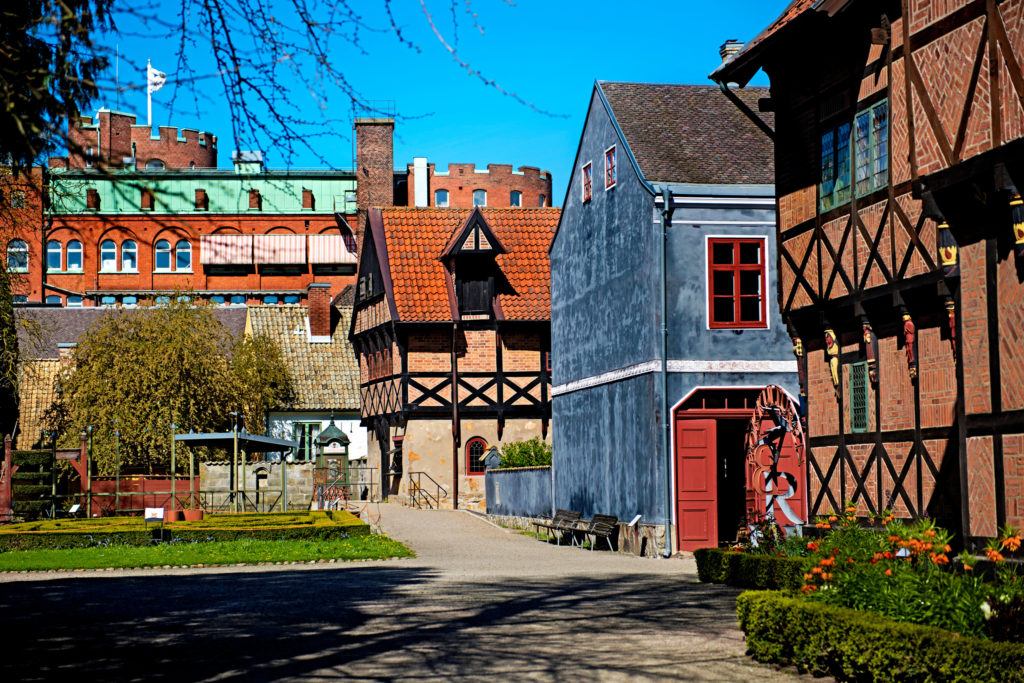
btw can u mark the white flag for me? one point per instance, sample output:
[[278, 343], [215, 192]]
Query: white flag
[[154, 79]]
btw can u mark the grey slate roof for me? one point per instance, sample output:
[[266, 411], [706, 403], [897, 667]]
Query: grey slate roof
[[41, 329], [692, 133], [325, 376]]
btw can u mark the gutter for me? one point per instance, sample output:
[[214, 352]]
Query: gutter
[[747, 111], [666, 221]]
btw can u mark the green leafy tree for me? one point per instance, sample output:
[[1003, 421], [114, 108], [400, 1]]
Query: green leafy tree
[[533, 452], [8, 354], [137, 372]]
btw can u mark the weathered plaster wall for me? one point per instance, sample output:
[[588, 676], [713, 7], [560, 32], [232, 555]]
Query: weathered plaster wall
[[520, 491], [216, 477]]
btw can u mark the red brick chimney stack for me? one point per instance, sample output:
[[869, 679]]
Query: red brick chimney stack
[[375, 166], [318, 305]]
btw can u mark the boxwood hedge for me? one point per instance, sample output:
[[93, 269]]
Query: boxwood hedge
[[84, 533], [852, 645], [746, 570]]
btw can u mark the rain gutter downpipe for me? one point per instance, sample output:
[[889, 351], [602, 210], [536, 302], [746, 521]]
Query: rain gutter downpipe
[[747, 111], [666, 221]]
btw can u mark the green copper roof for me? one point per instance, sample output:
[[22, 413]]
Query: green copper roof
[[174, 192]]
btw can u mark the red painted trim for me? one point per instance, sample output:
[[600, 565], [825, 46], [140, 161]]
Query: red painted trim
[[736, 268], [468, 445]]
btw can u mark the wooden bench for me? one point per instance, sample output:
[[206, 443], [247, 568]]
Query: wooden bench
[[564, 520], [602, 526]]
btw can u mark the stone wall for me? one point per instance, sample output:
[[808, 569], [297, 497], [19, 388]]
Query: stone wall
[[263, 483]]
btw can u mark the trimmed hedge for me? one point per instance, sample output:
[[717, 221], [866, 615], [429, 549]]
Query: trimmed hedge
[[86, 533], [852, 645], [746, 570]]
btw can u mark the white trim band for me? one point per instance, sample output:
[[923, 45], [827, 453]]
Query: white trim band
[[679, 366]]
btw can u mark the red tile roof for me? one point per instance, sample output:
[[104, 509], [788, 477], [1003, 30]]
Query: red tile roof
[[739, 68], [416, 237]]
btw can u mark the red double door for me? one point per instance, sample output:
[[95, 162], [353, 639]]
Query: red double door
[[697, 461]]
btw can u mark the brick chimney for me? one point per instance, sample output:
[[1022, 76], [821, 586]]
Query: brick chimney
[[65, 351], [375, 171], [729, 48], [318, 306]]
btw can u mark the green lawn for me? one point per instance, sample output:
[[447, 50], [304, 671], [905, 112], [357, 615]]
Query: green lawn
[[247, 551]]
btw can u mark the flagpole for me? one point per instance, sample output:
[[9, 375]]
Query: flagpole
[[149, 99]]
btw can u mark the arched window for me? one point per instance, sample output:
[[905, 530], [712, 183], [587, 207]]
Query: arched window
[[53, 299], [479, 197], [291, 299], [155, 165], [108, 256], [74, 302], [74, 255], [542, 199], [237, 300], [270, 299], [515, 198], [54, 256], [17, 256], [130, 301], [129, 255], [440, 197], [163, 255], [217, 299], [108, 301], [183, 255], [475, 449]]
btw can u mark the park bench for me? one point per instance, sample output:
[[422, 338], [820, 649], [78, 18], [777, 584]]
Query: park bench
[[601, 526], [564, 520]]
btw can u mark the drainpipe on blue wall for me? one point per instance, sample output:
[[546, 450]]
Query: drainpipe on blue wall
[[666, 221]]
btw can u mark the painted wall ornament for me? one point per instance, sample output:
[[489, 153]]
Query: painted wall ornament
[[948, 251], [801, 372], [870, 350], [832, 353], [951, 317], [910, 342], [774, 421], [1017, 214]]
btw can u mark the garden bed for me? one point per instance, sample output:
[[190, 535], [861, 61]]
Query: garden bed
[[748, 570], [854, 645], [133, 531]]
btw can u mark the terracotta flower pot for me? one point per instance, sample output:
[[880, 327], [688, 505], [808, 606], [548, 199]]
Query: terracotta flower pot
[[193, 515], [172, 515]]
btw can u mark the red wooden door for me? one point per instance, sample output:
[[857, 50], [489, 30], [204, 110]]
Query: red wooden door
[[696, 484]]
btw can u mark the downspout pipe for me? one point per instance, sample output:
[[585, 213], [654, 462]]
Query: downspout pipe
[[666, 222], [747, 111]]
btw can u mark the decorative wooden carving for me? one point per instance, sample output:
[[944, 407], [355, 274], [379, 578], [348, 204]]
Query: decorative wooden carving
[[948, 251], [910, 342], [951, 315], [832, 353], [801, 371], [1017, 213], [870, 350]]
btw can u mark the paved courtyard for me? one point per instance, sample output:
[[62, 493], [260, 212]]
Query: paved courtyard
[[478, 602]]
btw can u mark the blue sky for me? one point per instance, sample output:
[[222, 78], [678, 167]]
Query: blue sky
[[547, 52]]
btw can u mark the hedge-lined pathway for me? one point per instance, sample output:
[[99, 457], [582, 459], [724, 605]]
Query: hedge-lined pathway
[[477, 602]]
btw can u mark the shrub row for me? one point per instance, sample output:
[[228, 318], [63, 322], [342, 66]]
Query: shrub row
[[747, 570], [852, 645], [121, 531]]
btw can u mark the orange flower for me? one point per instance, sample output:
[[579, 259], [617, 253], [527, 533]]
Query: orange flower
[[994, 555], [888, 572], [1012, 543], [967, 567], [851, 508], [930, 533], [849, 560], [812, 546], [828, 562], [948, 549], [850, 518], [832, 518], [893, 539], [816, 570], [808, 577], [808, 589], [939, 559]]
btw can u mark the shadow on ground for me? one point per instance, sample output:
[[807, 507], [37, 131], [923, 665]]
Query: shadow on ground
[[373, 622]]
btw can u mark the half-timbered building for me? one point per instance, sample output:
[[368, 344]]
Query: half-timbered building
[[899, 128], [663, 335], [451, 327]]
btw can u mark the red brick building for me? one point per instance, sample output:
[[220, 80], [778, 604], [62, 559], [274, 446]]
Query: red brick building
[[463, 185], [899, 137], [451, 327]]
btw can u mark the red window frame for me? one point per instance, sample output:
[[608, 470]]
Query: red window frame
[[718, 275], [588, 182], [609, 167], [469, 458]]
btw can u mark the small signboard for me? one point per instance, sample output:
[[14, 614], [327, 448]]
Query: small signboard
[[154, 515]]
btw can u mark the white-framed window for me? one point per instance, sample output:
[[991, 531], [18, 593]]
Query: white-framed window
[[54, 256], [129, 256], [74, 302], [108, 256], [162, 255], [609, 167], [588, 182], [108, 301], [515, 198], [183, 255], [17, 256], [130, 301], [74, 255], [440, 197], [53, 299], [90, 155], [479, 197]]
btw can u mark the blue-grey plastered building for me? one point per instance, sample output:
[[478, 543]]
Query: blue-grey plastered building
[[619, 258]]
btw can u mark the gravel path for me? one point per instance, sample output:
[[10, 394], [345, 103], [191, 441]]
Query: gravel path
[[477, 602]]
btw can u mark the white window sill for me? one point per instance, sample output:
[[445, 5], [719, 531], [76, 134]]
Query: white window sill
[[17, 270], [118, 272], [171, 271]]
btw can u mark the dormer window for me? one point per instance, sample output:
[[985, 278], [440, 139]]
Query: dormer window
[[474, 286]]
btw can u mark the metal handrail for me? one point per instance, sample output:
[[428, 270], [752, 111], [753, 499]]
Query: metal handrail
[[416, 490]]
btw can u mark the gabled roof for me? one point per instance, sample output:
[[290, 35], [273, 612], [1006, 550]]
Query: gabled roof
[[414, 240], [325, 376], [691, 133], [742, 66], [475, 235], [36, 394]]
